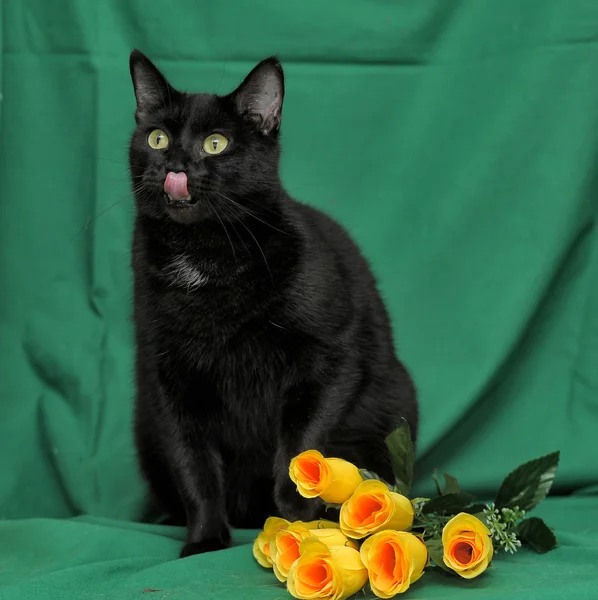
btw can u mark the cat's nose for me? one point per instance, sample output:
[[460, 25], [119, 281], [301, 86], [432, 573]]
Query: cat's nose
[[176, 165]]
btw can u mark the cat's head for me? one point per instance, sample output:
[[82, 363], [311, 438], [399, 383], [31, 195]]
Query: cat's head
[[202, 156]]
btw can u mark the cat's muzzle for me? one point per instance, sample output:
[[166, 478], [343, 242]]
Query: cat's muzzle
[[185, 202]]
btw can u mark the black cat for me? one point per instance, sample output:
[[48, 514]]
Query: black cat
[[259, 329]]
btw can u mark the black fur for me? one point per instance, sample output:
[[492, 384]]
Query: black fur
[[259, 329]]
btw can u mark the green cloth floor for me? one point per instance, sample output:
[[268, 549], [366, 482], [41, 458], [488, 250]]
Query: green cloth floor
[[457, 140], [96, 558]]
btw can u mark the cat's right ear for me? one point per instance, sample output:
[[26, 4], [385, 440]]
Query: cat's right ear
[[152, 91], [259, 98]]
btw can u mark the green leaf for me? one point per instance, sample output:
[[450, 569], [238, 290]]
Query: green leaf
[[434, 546], [402, 457], [371, 475], [448, 504], [475, 509], [537, 534], [419, 500], [529, 484], [437, 482], [452, 485], [401, 488]]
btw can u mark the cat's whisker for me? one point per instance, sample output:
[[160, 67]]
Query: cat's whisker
[[232, 224], [225, 231], [141, 186], [222, 74], [260, 249], [137, 188], [112, 160], [125, 163], [92, 219], [262, 207], [251, 214], [240, 238], [215, 188]]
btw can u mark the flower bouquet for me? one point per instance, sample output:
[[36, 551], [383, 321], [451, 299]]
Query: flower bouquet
[[388, 538]]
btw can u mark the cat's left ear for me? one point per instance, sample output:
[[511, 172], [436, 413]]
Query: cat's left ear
[[260, 96], [152, 91]]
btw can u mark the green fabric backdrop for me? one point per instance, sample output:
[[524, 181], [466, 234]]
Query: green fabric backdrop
[[456, 140]]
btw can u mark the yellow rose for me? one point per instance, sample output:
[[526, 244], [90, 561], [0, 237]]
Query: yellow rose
[[284, 548], [321, 524], [261, 545], [329, 573], [332, 479], [467, 545], [394, 560], [373, 507]]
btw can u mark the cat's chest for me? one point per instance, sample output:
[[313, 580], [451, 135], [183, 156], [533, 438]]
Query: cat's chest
[[183, 273], [202, 296], [232, 335], [235, 390], [251, 359]]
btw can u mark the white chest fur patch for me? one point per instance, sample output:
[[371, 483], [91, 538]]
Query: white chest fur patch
[[183, 273]]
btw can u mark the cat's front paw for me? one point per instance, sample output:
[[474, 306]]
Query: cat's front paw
[[210, 544], [294, 507]]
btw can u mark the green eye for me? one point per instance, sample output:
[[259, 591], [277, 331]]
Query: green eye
[[215, 144], [157, 140]]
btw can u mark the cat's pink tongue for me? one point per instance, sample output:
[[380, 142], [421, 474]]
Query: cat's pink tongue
[[175, 185]]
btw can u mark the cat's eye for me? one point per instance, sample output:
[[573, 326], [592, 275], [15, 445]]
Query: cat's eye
[[157, 140], [215, 144]]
